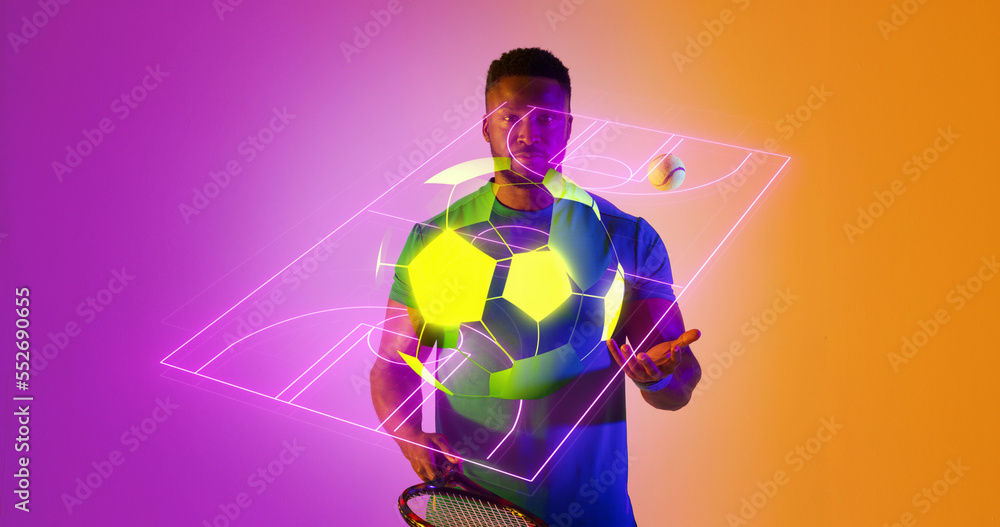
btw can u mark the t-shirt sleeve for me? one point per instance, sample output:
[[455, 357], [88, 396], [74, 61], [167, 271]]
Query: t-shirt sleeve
[[652, 265], [401, 290]]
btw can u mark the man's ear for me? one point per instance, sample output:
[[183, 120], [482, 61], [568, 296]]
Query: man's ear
[[486, 129]]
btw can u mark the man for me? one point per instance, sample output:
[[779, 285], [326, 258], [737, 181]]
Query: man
[[514, 403]]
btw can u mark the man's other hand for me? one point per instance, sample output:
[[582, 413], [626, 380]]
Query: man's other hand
[[656, 363]]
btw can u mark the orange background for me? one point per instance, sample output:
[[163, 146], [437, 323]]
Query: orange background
[[826, 356]]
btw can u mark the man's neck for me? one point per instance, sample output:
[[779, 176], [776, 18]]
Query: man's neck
[[517, 192]]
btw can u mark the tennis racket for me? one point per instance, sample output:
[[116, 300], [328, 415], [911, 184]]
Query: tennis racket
[[454, 500]]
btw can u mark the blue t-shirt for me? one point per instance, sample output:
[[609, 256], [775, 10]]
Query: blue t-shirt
[[528, 430]]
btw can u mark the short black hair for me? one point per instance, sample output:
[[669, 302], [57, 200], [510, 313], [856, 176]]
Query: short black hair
[[529, 62]]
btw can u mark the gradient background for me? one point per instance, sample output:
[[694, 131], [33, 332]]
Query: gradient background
[[824, 357]]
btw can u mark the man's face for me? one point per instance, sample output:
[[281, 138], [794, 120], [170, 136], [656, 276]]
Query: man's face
[[531, 126]]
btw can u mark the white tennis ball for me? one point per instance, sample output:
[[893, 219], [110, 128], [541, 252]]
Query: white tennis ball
[[666, 172]]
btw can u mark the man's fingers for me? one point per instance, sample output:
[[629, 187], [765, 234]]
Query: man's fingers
[[649, 367], [616, 353], [424, 470], [442, 443], [621, 356], [669, 352], [688, 337], [634, 368], [639, 370], [639, 367]]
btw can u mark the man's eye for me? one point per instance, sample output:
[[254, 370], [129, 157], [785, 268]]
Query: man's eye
[[510, 118]]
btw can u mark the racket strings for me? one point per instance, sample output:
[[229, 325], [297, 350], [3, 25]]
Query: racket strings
[[455, 510]]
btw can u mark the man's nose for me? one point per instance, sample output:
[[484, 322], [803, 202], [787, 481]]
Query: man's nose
[[527, 132]]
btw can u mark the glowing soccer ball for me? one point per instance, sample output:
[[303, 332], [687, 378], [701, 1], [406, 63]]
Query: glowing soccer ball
[[527, 302]]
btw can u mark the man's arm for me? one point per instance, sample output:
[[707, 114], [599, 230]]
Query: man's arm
[[397, 398], [664, 352]]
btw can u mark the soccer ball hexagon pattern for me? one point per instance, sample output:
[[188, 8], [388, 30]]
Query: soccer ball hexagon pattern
[[537, 283], [451, 280]]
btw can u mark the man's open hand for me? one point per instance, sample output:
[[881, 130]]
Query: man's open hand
[[656, 363]]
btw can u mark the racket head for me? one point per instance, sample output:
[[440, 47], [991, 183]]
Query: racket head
[[455, 501]]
